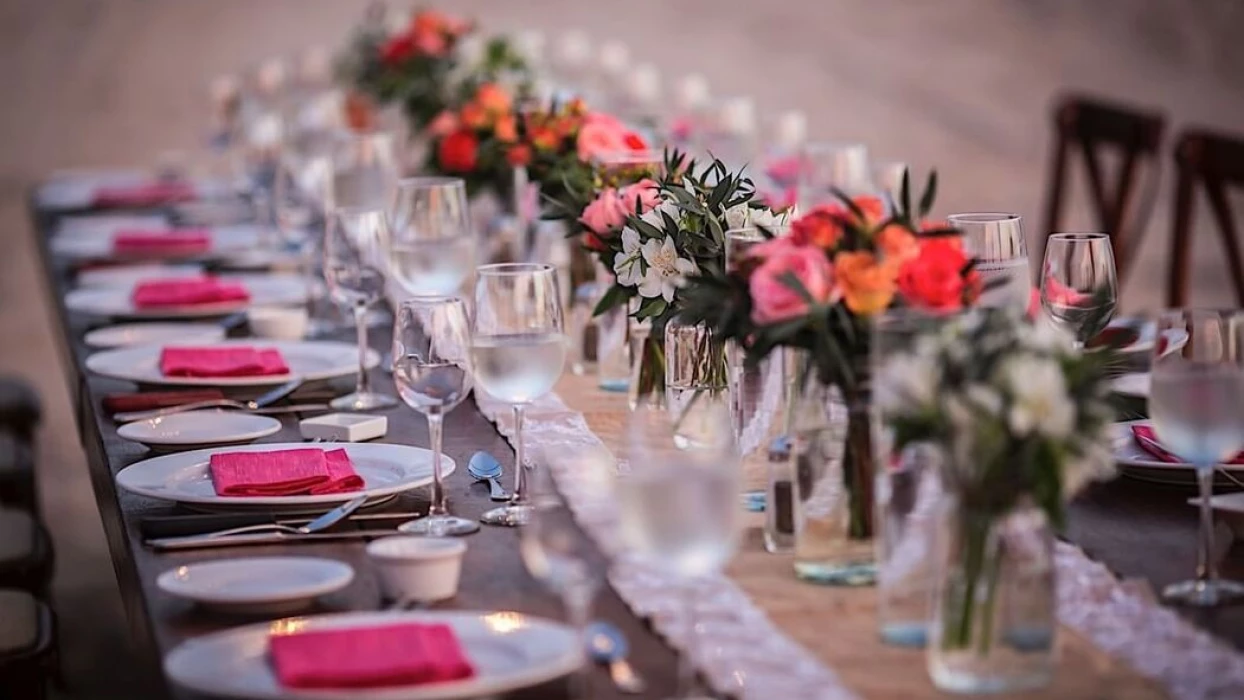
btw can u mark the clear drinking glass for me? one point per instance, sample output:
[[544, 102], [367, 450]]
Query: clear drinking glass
[[1196, 404], [558, 553], [833, 166], [518, 349], [365, 170], [432, 371], [431, 250], [679, 508], [355, 281], [1079, 287], [996, 240], [300, 195]]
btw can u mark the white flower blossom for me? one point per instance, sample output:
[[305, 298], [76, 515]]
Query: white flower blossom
[[1039, 397], [654, 216], [626, 264], [666, 270], [907, 384], [737, 216]]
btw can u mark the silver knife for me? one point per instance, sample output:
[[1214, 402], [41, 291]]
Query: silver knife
[[262, 401], [166, 544]]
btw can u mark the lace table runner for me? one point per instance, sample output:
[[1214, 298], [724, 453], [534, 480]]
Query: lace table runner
[[761, 633]]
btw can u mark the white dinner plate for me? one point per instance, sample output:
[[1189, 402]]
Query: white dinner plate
[[184, 477], [1146, 331], [107, 224], [1132, 384], [195, 429], [272, 585], [97, 244], [1134, 461], [313, 360], [126, 334], [509, 651], [116, 302], [75, 189], [129, 275]]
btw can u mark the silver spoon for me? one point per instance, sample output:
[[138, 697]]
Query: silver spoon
[[607, 645], [484, 467]]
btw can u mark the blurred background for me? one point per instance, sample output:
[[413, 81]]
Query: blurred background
[[967, 86]]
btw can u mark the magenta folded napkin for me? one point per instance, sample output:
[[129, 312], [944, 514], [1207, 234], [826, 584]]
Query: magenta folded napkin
[[369, 657], [221, 361], [187, 291], [175, 242], [149, 194], [304, 471]]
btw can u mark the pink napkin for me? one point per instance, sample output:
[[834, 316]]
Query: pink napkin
[[283, 473], [369, 657], [187, 291], [1148, 441], [138, 242], [149, 194], [221, 361]]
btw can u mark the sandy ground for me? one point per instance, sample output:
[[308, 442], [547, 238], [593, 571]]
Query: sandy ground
[[964, 85]]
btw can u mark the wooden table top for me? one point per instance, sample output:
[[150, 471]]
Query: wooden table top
[[1137, 529]]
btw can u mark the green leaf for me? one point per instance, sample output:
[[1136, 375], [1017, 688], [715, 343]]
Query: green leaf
[[615, 296], [905, 194], [930, 194], [652, 307], [791, 282], [646, 229]]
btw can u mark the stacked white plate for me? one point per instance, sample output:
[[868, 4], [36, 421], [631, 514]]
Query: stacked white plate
[[116, 301], [312, 360]]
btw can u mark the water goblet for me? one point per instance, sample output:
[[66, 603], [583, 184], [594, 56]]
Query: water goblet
[[432, 371], [430, 249], [1079, 286], [996, 241]]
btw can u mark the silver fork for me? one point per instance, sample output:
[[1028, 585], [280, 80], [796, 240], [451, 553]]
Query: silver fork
[[323, 522], [263, 401]]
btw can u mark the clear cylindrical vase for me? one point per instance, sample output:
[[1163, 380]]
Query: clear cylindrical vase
[[695, 382], [994, 617]]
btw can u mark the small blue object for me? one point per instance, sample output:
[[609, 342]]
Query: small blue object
[[484, 466], [755, 501], [606, 643]]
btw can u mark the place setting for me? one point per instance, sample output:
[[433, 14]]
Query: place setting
[[192, 296]]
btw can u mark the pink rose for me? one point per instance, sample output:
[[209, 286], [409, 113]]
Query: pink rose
[[602, 134], [608, 212], [785, 171], [605, 213], [443, 124], [772, 299], [780, 200]]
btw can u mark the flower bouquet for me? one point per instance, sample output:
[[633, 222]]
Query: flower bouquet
[[653, 235], [815, 292], [1023, 422], [408, 65]]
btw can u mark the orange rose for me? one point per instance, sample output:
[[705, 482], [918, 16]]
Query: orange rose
[[544, 138], [518, 155], [506, 129], [473, 116], [897, 244], [872, 207], [576, 107], [493, 98], [458, 152], [867, 284]]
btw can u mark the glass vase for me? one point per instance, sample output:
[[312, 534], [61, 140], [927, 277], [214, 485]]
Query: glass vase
[[834, 479], [695, 382], [647, 385], [994, 615]]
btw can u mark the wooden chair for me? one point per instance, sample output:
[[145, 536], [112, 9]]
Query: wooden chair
[[28, 654], [1090, 126], [1216, 163]]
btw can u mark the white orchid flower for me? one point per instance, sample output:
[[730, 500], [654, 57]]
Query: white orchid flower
[[626, 265], [665, 269]]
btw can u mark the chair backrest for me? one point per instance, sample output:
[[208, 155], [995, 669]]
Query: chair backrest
[[1216, 163], [1087, 124]]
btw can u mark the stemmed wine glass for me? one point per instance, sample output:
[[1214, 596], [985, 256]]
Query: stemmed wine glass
[[430, 247], [558, 553], [996, 241], [1197, 407], [352, 270], [300, 194], [679, 506], [518, 348], [1079, 287], [365, 170], [432, 371]]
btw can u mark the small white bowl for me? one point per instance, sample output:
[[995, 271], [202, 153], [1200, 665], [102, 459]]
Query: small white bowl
[[278, 322], [423, 569], [344, 427]]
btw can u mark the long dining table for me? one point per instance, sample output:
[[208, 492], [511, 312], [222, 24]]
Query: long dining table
[[1139, 530]]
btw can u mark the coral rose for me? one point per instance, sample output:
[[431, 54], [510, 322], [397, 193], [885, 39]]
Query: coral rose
[[605, 213], [493, 98], [506, 129], [772, 298], [518, 155], [544, 138], [897, 244], [821, 227], [601, 134], [934, 280], [473, 116], [646, 192], [443, 124], [458, 152], [867, 283]]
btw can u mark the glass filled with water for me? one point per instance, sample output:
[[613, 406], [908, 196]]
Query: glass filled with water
[[1079, 286], [432, 372], [518, 350], [431, 249], [1196, 404], [996, 241]]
